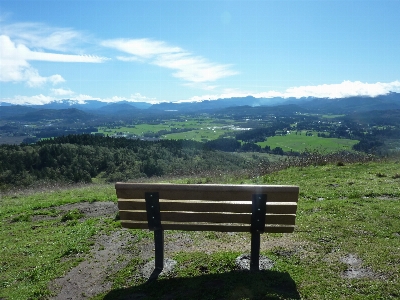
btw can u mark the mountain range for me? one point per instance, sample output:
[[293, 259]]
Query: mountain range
[[95, 108]]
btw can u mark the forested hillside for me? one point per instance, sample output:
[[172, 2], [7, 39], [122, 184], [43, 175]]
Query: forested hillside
[[79, 158]]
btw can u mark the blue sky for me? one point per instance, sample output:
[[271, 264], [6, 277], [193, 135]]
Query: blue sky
[[157, 51]]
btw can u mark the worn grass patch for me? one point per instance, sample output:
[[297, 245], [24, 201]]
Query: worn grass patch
[[35, 252]]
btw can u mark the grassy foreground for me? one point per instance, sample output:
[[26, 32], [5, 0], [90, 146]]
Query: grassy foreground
[[346, 244]]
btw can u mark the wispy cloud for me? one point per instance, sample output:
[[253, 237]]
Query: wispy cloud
[[41, 36], [15, 67], [128, 58], [145, 48], [187, 66]]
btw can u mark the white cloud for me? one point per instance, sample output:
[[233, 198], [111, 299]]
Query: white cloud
[[186, 65], [340, 90], [33, 79], [62, 94], [14, 64], [137, 97], [81, 98], [330, 91], [41, 36], [29, 100]]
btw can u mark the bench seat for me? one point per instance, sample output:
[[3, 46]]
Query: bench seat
[[208, 207]]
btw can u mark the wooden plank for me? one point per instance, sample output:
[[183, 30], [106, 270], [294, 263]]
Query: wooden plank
[[168, 216], [208, 206], [217, 192], [208, 227], [214, 196], [281, 208]]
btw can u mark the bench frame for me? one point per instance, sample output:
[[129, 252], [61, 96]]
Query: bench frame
[[151, 195]]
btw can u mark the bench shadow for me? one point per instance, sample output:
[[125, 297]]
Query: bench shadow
[[265, 284]]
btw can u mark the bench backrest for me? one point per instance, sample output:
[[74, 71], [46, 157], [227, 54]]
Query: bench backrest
[[207, 207]]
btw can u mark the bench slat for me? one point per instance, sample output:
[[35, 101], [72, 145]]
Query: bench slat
[[208, 206], [214, 192], [207, 227], [206, 217]]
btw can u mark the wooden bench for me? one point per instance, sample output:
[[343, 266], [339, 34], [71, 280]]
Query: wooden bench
[[207, 207]]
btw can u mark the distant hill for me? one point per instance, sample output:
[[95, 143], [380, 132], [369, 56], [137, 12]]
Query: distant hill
[[278, 110], [209, 105], [117, 108], [67, 103], [70, 114], [15, 111], [311, 104], [87, 105], [353, 104], [377, 117]]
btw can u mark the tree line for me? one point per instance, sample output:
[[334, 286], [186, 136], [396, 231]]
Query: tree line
[[80, 158]]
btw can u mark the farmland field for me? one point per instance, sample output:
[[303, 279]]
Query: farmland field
[[300, 143], [201, 134], [205, 129], [198, 129]]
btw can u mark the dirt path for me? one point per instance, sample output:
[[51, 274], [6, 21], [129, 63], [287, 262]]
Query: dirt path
[[108, 255], [90, 277]]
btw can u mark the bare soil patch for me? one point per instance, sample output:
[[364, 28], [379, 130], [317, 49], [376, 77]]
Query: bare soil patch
[[92, 209], [355, 268], [88, 209], [90, 277]]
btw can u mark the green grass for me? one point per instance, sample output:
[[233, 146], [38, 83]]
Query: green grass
[[202, 129], [348, 209], [351, 209], [29, 201], [300, 143]]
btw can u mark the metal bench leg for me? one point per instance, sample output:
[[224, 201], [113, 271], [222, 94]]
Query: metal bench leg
[[159, 249], [255, 251], [258, 211], [154, 222]]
